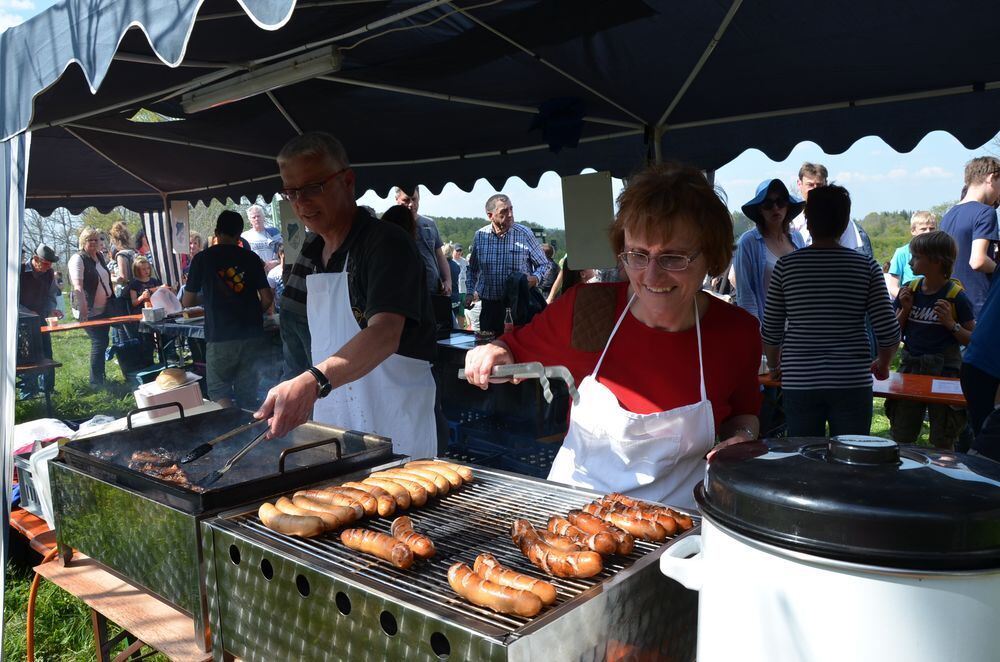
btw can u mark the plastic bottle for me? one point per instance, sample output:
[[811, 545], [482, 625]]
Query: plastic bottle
[[508, 322]]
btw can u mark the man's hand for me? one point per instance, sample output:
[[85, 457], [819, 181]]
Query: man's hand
[[446, 288], [532, 281], [880, 370], [480, 361], [289, 404]]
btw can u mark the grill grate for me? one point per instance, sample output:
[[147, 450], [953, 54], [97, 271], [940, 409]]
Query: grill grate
[[471, 520]]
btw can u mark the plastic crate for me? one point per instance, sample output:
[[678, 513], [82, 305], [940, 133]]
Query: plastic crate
[[535, 463], [470, 456], [29, 494], [494, 435]]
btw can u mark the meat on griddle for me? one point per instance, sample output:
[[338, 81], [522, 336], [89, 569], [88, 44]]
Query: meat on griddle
[[162, 464], [104, 454]]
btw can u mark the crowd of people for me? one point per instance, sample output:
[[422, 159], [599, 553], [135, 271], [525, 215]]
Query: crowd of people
[[361, 303]]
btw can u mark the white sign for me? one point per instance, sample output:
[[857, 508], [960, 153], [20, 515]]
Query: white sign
[[588, 210], [946, 386], [293, 230], [179, 229]]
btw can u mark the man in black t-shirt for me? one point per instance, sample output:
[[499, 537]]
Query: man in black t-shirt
[[373, 333], [235, 295]]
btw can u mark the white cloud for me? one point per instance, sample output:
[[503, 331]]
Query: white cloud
[[897, 173], [8, 20], [18, 5], [933, 172]]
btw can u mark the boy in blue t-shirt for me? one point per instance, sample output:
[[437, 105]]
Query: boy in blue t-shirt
[[936, 317]]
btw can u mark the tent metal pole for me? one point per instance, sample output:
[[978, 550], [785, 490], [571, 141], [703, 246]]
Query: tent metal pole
[[550, 65], [875, 101], [109, 159], [300, 6], [180, 88], [67, 196], [657, 147], [374, 25], [199, 189], [498, 105], [152, 59], [172, 141], [284, 113], [701, 61]]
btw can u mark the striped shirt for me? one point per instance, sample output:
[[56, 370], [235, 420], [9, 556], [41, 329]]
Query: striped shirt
[[823, 294], [493, 258]]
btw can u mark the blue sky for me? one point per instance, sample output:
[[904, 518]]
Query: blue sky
[[878, 178]]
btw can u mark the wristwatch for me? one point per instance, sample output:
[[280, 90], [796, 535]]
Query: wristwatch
[[321, 381], [956, 327]]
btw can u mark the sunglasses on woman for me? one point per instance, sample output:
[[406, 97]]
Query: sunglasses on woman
[[771, 203]]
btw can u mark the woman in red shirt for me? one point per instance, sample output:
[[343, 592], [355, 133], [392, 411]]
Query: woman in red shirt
[[664, 368]]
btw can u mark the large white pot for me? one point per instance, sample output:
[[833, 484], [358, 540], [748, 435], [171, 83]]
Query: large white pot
[[844, 550], [759, 602]]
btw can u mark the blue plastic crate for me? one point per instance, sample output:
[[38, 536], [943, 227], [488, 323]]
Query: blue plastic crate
[[536, 463], [470, 456], [499, 435]]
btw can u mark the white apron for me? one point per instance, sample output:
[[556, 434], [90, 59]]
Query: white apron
[[659, 456], [395, 399]]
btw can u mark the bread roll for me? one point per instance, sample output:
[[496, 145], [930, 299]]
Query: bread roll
[[170, 378]]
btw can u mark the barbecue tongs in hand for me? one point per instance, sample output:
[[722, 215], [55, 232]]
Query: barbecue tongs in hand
[[216, 475], [207, 447], [535, 371]]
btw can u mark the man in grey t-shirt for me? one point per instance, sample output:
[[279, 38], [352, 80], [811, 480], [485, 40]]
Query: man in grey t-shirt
[[429, 244]]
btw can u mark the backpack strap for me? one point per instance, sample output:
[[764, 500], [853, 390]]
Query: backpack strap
[[593, 317]]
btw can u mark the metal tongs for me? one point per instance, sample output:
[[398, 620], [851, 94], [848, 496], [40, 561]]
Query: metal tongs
[[216, 475], [535, 370], [207, 447]]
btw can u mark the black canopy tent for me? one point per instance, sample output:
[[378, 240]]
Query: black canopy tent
[[434, 92]]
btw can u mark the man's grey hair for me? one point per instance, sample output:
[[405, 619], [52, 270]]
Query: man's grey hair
[[491, 202], [258, 208], [315, 143]]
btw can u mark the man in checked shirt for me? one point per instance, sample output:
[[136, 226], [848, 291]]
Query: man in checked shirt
[[498, 250]]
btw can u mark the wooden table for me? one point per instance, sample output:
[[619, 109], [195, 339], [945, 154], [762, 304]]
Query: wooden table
[[906, 386], [37, 369], [92, 324], [146, 620]]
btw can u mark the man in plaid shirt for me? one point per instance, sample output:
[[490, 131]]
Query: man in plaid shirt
[[498, 250]]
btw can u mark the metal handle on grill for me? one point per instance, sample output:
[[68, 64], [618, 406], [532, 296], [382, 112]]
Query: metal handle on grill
[[313, 444], [128, 417]]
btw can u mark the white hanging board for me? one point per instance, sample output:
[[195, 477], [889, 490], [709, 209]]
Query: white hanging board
[[180, 227], [588, 210]]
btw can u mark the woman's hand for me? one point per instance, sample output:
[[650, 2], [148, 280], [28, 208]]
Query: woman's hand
[[880, 370], [732, 441], [480, 361]]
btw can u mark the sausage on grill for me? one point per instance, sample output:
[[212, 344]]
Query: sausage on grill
[[418, 495], [367, 501], [586, 522], [419, 544], [638, 527], [565, 543], [439, 468], [683, 521], [344, 514], [378, 544], [292, 525], [464, 472], [661, 517], [406, 474], [482, 592], [602, 543], [554, 561], [398, 492], [330, 521], [442, 484], [490, 569], [330, 499], [386, 504]]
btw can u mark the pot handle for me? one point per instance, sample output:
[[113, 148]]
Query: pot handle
[[675, 564]]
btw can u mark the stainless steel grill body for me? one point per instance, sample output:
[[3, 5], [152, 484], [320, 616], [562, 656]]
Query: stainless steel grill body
[[277, 597]]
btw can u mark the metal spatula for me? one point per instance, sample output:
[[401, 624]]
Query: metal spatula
[[206, 447], [216, 475]]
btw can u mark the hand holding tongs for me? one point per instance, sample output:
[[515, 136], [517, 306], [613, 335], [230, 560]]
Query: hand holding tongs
[[216, 475], [537, 371]]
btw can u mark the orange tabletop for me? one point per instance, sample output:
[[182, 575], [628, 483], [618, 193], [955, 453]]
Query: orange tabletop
[[907, 386], [41, 538], [92, 324]]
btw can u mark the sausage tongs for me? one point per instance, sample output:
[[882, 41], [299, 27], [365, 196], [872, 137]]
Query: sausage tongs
[[216, 475], [535, 370]]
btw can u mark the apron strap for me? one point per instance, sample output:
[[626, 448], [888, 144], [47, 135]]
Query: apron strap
[[613, 332], [697, 328]]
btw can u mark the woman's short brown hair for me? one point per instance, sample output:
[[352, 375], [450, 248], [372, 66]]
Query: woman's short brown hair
[[659, 196], [937, 247], [120, 235]]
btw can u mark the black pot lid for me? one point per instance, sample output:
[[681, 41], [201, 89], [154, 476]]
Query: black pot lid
[[861, 499]]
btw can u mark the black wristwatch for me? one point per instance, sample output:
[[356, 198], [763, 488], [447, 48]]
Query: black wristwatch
[[324, 384]]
